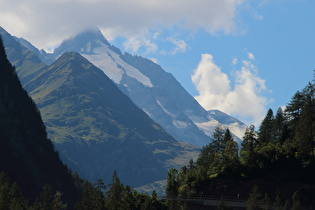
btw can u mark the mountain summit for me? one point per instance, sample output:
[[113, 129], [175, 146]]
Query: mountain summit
[[83, 42]]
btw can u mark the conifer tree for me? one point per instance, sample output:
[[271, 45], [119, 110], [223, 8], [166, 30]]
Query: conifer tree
[[305, 129], [248, 145], [296, 205], [280, 128], [57, 203], [206, 160], [172, 188], [265, 129], [215, 151], [86, 202], [11, 197], [115, 194], [17, 200], [294, 108], [301, 115], [4, 191], [45, 199], [230, 153], [253, 202], [99, 195], [172, 184], [191, 164], [266, 202], [218, 143]]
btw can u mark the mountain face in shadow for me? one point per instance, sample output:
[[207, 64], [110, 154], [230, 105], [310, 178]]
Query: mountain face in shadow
[[27, 156]]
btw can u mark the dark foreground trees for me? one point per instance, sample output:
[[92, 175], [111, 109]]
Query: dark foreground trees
[[94, 197], [279, 155], [115, 196]]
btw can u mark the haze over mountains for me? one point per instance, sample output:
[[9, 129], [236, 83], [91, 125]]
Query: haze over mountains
[[152, 89], [95, 127]]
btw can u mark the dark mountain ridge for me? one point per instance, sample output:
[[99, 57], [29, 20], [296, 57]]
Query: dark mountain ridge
[[27, 156]]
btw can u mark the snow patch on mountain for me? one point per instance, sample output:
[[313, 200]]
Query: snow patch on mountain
[[107, 65], [237, 129], [147, 112], [113, 66], [195, 118], [208, 126], [235, 126], [167, 112]]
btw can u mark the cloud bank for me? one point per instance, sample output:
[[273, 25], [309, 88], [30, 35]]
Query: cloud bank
[[245, 99], [47, 23]]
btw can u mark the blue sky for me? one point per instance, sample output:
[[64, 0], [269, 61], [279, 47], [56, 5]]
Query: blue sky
[[240, 56]]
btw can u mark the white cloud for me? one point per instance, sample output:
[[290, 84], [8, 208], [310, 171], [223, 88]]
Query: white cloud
[[47, 23], [134, 43], [251, 56], [180, 45], [234, 61], [211, 83], [244, 100]]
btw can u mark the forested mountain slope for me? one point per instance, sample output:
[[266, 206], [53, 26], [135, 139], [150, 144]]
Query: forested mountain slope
[[27, 156]]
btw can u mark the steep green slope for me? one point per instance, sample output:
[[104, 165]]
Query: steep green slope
[[98, 129], [27, 156], [26, 62]]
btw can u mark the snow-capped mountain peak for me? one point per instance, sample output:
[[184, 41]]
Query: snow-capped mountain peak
[[152, 89], [83, 42], [92, 45]]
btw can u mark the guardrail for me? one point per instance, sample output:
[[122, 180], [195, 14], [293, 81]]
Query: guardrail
[[207, 200]]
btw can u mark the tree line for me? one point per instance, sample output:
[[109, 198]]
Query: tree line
[[94, 196]]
